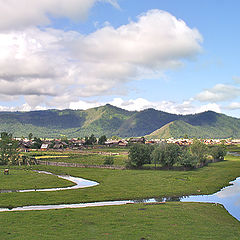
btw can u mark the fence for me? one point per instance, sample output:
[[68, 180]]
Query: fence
[[64, 164]]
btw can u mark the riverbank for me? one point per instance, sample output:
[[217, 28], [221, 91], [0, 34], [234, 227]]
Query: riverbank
[[130, 184]]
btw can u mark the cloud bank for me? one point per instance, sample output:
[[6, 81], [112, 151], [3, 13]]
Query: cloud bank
[[219, 93], [54, 68], [17, 14]]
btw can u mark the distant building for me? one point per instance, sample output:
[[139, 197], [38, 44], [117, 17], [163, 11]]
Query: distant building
[[137, 140], [44, 146]]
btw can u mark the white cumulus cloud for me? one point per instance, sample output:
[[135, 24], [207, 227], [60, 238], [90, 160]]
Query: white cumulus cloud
[[233, 106], [220, 92], [20, 14], [139, 104], [59, 67]]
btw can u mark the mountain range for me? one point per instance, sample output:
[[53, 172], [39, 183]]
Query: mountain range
[[110, 120]]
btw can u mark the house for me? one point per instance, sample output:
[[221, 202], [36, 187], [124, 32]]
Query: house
[[25, 146], [44, 146], [122, 143], [111, 143], [137, 140], [58, 146]]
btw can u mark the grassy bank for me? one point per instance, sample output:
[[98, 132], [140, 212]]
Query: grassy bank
[[131, 184], [180, 221], [22, 178]]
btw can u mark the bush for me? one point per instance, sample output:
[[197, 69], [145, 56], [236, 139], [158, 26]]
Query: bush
[[108, 160]]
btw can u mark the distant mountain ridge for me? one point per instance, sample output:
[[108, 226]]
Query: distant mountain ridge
[[110, 120]]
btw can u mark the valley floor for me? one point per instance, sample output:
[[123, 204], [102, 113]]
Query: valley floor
[[138, 221]]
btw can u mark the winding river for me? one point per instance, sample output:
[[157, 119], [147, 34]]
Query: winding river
[[229, 197], [79, 183]]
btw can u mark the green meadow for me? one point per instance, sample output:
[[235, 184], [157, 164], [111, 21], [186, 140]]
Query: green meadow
[[167, 221], [20, 178], [126, 184], [86, 157], [182, 221]]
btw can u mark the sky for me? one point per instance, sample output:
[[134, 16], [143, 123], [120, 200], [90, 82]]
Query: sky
[[176, 56]]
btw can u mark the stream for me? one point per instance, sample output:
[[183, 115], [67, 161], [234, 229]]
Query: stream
[[228, 196], [79, 183]]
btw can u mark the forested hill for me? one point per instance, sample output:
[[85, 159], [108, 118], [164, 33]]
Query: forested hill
[[109, 120]]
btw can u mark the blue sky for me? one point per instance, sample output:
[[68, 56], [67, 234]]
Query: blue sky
[[174, 56]]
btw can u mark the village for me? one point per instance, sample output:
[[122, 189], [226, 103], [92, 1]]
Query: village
[[26, 144]]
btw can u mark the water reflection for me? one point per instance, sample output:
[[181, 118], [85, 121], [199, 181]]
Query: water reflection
[[158, 199], [63, 206], [229, 197]]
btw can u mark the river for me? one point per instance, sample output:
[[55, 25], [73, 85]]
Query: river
[[229, 197]]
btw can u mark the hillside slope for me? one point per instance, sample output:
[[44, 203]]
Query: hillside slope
[[203, 125], [110, 120]]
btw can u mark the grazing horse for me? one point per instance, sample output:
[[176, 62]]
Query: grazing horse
[[6, 171]]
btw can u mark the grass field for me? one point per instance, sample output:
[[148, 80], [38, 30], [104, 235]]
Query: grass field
[[20, 178], [130, 184], [88, 158], [135, 221], [182, 221], [233, 148]]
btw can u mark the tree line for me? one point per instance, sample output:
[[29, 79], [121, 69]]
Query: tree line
[[170, 154]]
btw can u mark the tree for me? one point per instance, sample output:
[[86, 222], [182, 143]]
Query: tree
[[64, 139], [166, 154], [186, 159], [30, 136], [199, 150], [37, 143], [219, 152], [8, 149], [158, 154], [102, 140], [90, 140], [139, 154], [86, 141]]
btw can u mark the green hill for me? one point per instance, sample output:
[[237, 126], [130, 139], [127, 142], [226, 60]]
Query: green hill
[[163, 132], [203, 125], [110, 120]]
